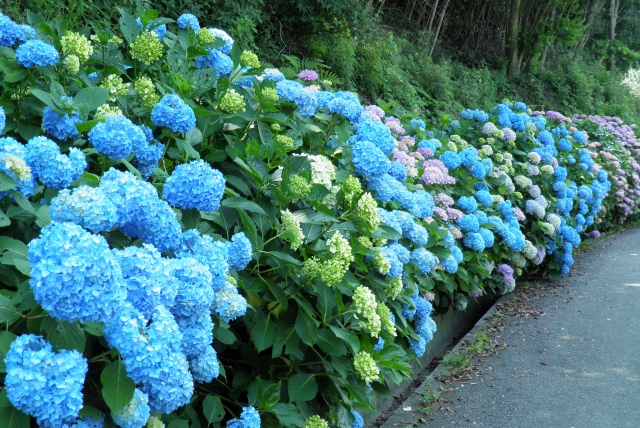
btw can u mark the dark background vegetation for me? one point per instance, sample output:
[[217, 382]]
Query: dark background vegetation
[[433, 57]]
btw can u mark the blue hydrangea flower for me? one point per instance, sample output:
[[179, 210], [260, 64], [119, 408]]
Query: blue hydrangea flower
[[228, 40], [9, 31], [151, 352], [36, 52], [418, 123], [450, 159], [484, 197], [478, 170], [188, 20], [42, 383], [474, 241], [560, 173], [67, 254], [141, 214], [86, 206], [117, 137], [93, 76], [203, 248], [398, 171], [377, 133], [272, 74], [344, 103], [228, 304], [205, 367], [197, 333], [423, 259], [61, 127], [564, 145], [249, 418], [173, 113], [148, 158], [469, 223], [53, 169], [195, 185], [148, 278], [369, 160], [468, 157], [134, 414], [221, 62], [359, 422], [487, 236], [579, 137], [240, 252], [3, 117], [423, 204], [449, 264], [546, 138], [468, 204]]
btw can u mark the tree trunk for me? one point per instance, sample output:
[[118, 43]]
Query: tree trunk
[[512, 38], [435, 38], [595, 11], [613, 18]]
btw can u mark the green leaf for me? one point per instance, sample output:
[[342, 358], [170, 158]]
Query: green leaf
[[194, 137], [10, 417], [23, 202], [6, 182], [224, 335], [212, 409], [306, 328], [243, 204], [43, 96], [329, 343], [288, 414], [91, 98], [302, 387], [14, 247], [63, 334], [350, 338], [23, 266], [6, 338], [8, 313], [4, 219], [88, 125], [15, 76], [178, 423], [263, 332], [117, 387], [90, 411], [42, 216], [94, 328], [284, 257]]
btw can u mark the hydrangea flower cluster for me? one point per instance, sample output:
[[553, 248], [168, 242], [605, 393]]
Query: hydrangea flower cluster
[[117, 137], [52, 168], [36, 53], [147, 47], [45, 384], [195, 185], [173, 113], [249, 418], [86, 206]]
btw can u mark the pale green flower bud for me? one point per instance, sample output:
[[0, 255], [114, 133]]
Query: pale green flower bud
[[366, 367], [76, 44], [147, 48], [72, 64], [146, 92], [249, 59], [232, 102]]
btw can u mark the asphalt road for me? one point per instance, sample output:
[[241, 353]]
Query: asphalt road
[[571, 356]]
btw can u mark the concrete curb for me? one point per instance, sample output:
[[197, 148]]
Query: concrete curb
[[450, 325], [409, 418]]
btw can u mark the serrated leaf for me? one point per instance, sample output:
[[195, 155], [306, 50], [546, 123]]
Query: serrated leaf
[[288, 414], [87, 126], [185, 147], [91, 98], [329, 343], [43, 96], [8, 313], [212, 409], [350, 338], [6, 338], [306, 329], [94, 328], [302, 387], [117, 387], [63, 334], [263, 332], [243, 204], [23, 266], [42, 216], [284, 257]]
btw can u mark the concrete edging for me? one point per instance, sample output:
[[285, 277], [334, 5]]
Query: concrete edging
[[403, 418], [450, 325]]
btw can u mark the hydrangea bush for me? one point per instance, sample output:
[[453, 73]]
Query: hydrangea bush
[[198, 240]]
